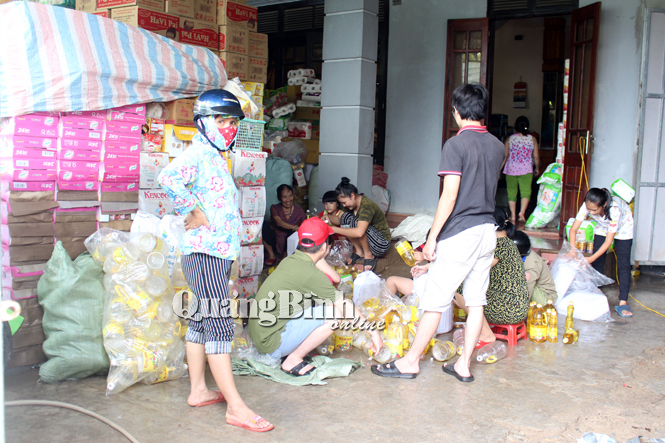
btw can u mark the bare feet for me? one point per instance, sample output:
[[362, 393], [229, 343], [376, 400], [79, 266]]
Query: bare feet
[[244, 414], [198, 397], [291, 363], [522, 219]]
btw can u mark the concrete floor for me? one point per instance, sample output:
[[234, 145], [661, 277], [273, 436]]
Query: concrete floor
[[612, 381]]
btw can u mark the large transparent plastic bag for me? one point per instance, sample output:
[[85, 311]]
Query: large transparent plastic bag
[[340, 253], [372, 297], [294, 151], [577, 281], [142, 335]]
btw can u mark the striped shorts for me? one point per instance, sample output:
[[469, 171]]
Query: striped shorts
[[208, 278], [377, 242]]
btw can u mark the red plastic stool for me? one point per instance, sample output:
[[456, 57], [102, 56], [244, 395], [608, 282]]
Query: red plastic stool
[[512, 333]]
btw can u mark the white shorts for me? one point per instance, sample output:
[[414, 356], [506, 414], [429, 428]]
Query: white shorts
[[463, 258]]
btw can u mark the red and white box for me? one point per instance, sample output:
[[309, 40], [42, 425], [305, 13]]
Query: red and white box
[[78, 186], [32, 186], [300, 130], [155, 201], [132, 109], [88, 145], [133, 139], [76, 122], [67, 165], [35, 163], [30, 125], [18, 152], [20, 141], [97, 115], [236, 14], [152, 165], [77, 176], [28, 176], [198, 32], [79, 155], [119, 187], [121, 157], [80, 134], [126, 117], [124, 127]]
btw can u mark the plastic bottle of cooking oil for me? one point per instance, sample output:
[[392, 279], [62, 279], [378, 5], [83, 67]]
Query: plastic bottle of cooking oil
[[539, 325], [395, 339], [326, 348], [443, 350], [406, 252], [529, 318], [569, 317], [383, 356], [492, 352], [552, 322], [571, 336], [343, 340], [458, 340]]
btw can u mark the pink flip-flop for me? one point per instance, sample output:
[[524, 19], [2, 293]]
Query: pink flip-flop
[[252, 424], [220, 398]]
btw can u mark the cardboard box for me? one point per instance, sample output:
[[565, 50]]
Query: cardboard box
[[256, 90], [177, 139], [89, 6], [151, 166], [155, 201], [236, 65], [232, 13], [293, 93], [258, 70], [258, 45], [155, 5], [234, 39], [120, 225], [205, 10], [181, 8], [180, 112], [307, 114], [158, 22], [312, 149], [200, 33], [106, 13]]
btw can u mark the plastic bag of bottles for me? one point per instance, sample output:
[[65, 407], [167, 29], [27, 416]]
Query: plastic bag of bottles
[[382, 305], [340, 253], [244, 349], [142, 335]]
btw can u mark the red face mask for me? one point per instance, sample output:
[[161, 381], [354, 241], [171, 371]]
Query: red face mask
[[228, 134]]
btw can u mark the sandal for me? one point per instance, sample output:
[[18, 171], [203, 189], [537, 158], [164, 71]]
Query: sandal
[[391, 371], [252, 424], [270, 262], [295, 371], [450, 370], [354, 258], [369, 262], [220, 398], [623, 310]]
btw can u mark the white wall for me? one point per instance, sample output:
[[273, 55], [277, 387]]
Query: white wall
[[414, 108], [519, 58]]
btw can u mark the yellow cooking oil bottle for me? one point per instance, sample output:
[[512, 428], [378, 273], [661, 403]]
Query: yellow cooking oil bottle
[[539, 325], [571, 336], [552, 320], [529, 318], [395, 339], [406, 252], [569, 317]]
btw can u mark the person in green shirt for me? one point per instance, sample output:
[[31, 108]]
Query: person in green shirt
[[297, 306], [364, 224]]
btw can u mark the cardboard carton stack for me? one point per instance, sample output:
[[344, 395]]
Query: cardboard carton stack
[[243, 51], [151, 198]]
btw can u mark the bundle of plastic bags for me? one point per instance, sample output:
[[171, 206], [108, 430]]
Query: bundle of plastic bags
[[577, 281], [549, 197], [142, 335], [340, 253]]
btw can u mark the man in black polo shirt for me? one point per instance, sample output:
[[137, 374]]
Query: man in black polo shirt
[[462, 239]]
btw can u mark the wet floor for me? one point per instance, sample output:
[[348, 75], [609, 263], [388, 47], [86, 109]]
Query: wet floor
[[612, 381]]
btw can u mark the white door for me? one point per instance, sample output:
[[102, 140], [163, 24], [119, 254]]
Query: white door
[[650, 166]]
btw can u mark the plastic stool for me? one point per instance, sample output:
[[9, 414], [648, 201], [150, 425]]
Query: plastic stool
[[512, 333]]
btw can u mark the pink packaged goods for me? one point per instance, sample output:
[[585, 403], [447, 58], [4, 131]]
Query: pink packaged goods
[[97, 115], [88, 145], [123, 148], [124, 127], [79, 155], [119, 187], [34, 163], [78, 186], [129, 138], [78, 166], [21, 141], [122, 168], [31, 125], [79, 176], [81, 134], [132, 109], [119, 178], [23, 175], [127, 117], [32, 186], [76, 122], [121, 157], [18, 152]]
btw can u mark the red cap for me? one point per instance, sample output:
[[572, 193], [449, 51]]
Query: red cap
[[314, 229]]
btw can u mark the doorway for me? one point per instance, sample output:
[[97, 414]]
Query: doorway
[[526, 80]]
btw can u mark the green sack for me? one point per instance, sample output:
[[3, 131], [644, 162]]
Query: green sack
[[72, 295]]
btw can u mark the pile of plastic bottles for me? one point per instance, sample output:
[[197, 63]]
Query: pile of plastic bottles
[[489, 353], [142, 335]]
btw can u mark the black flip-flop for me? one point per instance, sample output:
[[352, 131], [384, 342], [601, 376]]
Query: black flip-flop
[[450, 370], [354, 259], [369, 262], [391, 371], [295, 371]]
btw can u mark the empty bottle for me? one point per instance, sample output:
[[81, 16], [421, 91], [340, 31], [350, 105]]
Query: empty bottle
[[443, 350], [458, 340], [539, 326], [145, 241], [571, 336], [359, 338], [529, 318], [492, 352], [552, 322], [406, 252], [383, 356], [569, 317], [120, 378], [155, 261], [326, 348], [343, 340], [113, 331], [156, 286]]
